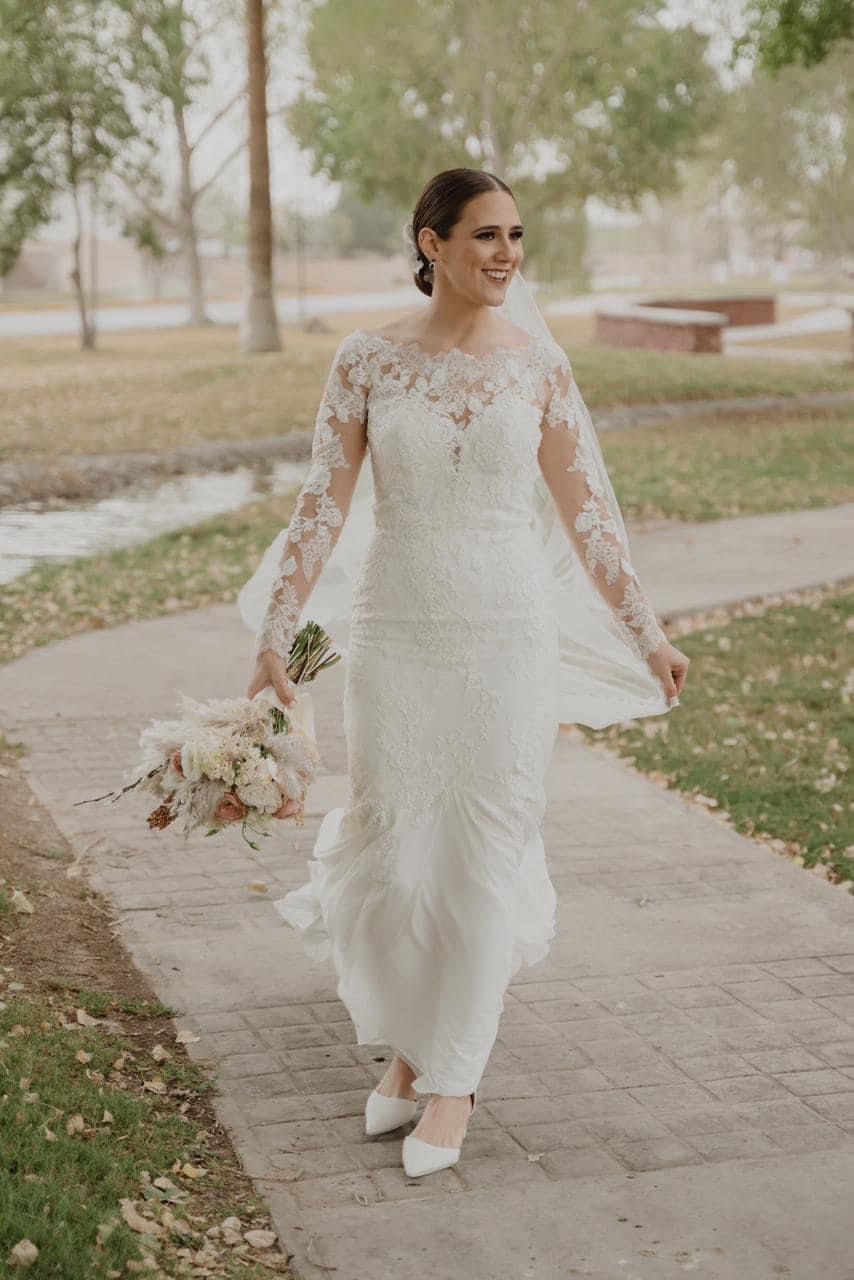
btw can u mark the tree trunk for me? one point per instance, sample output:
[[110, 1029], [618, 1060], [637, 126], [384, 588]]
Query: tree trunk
[[187, 224], [87, 332], [261, 327]]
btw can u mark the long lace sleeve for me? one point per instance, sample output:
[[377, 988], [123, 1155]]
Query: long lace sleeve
[[338, 450], [572, 476]]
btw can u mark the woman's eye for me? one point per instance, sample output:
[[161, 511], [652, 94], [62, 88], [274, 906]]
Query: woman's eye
[[515, 235]]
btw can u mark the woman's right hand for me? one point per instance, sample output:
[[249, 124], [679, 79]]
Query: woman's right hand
[[270, 669]]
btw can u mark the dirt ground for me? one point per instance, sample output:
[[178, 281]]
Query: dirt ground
[[66, 950]]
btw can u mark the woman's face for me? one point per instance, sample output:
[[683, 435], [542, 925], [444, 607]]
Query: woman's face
[[483, 251]]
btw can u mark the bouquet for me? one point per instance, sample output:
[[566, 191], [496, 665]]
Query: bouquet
[[247, 760]]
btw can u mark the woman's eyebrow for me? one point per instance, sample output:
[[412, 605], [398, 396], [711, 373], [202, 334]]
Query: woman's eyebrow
[[492, 227]]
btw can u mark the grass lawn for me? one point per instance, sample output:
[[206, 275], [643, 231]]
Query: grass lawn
[[840, 340], [112, 1153], [764, 732], [694, 471], [151, 391], [706, 469]]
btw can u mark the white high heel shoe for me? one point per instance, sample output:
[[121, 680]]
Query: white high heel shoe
[[425, 1157], [383, 1114]]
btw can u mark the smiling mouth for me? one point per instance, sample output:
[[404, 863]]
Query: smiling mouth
[[498, 276]]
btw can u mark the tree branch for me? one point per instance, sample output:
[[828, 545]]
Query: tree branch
[[232, 155], [215, 119], [157, 214]]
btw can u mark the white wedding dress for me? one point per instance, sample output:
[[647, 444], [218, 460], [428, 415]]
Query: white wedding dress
[[429, 888]]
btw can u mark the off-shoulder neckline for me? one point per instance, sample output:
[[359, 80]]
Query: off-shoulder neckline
[[412, 344]]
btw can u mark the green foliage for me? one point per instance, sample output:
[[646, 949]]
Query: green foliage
[[63, 117], [614, 106], [784, 143], [764, 728], [784, 32]]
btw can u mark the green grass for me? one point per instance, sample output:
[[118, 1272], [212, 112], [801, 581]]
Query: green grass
[[61, 1179], [160, 390], [689, 471], [103, 1004], [765, 727], [706, 469], [186, 569], [610, 376]]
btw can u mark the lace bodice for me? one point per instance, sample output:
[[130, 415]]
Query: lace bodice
[[456, 441]]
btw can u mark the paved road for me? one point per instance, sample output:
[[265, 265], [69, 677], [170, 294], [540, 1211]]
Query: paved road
[[166, 315], [672, 1088], [43, 323]]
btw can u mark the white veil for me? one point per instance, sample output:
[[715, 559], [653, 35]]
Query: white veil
[[602, 678]]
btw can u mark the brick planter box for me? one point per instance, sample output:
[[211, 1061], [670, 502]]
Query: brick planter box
[[661, 329], [752, 309]]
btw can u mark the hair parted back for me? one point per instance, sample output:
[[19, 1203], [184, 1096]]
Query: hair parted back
[[440, 207]]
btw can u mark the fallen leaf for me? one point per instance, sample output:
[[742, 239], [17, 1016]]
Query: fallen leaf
[[136, 1222], [258, 886], [191, 1171], [85, 1019], [22, 904], [82, 1056], [75, 1124], [260, 1239], [107, 1117], [24, 1254], [187, 1037], [155, 1086], [159, 1054]]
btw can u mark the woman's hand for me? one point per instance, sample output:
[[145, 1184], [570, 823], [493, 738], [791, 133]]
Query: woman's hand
[[270, 669], [671, 666]]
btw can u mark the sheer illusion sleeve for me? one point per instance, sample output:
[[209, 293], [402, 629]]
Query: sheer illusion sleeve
[[338, 450], [573, 478]]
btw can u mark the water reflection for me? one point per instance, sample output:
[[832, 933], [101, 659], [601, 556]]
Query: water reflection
[[37, 532]]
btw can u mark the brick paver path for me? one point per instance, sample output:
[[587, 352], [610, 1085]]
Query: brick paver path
[[671, 1091]]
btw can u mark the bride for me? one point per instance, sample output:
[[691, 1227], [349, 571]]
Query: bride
[[491, 600]]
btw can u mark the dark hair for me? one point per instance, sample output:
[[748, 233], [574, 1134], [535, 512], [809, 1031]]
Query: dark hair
[[440, 207]]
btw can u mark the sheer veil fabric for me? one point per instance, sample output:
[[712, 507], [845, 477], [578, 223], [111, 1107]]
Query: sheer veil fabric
[[603, 677]]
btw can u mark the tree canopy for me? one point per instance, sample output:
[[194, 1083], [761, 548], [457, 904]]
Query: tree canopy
[[563, 100]]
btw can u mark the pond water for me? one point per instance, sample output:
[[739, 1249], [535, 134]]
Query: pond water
[[41, 532]]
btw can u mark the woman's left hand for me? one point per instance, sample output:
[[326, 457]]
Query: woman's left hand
[[671, 666]]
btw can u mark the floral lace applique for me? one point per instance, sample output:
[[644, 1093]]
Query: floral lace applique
[[338, 449], [572, 477]]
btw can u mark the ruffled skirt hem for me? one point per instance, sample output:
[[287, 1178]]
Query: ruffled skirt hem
[[388, 940]]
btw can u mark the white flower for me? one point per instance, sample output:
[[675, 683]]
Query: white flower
[[262, 794]]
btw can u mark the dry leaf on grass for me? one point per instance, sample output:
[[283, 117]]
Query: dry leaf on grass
[[22, 904], [24, 1254], [136, 1222], [260, 1239], [85, 1019], [187, 1037]]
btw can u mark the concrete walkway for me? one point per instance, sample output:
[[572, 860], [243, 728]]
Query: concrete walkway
[[688, 567], [672, 1088]]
